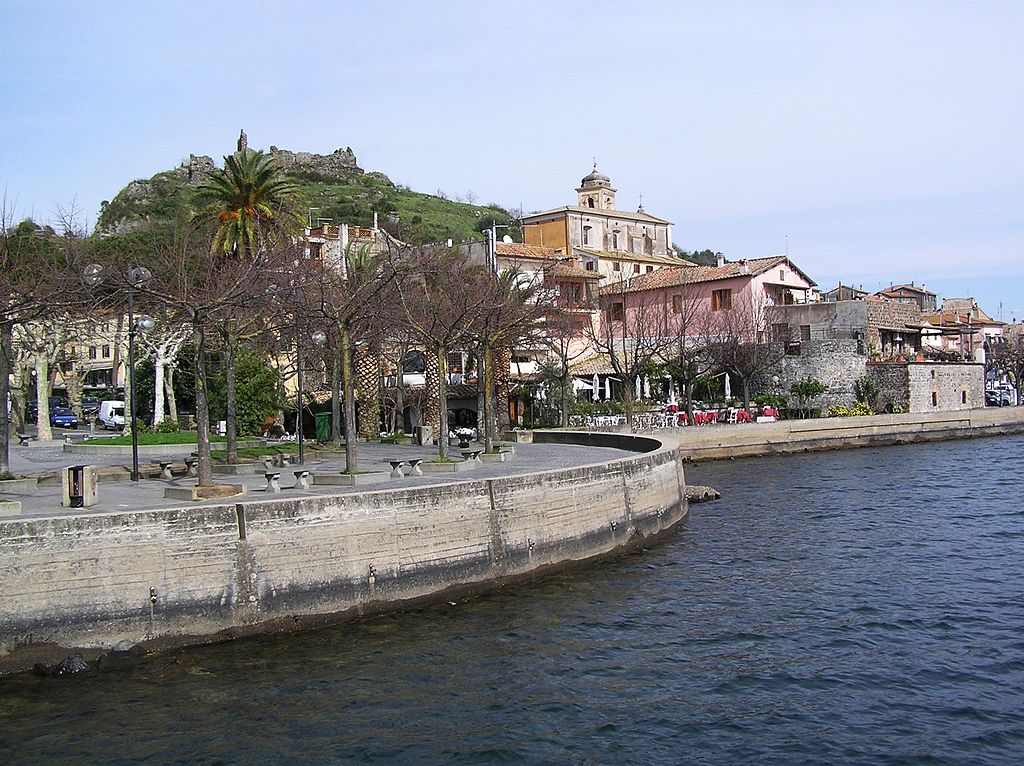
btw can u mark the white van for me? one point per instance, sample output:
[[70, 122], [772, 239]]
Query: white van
[[111, 415]]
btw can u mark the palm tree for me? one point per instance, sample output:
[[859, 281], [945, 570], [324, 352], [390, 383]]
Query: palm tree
[[251, 201]]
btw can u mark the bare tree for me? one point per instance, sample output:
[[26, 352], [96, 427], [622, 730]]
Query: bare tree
[[686, 356], [442, 306], [634, 335], [744, 339]]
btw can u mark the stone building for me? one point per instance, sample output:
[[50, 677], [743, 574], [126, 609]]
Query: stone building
[[926, 300], [617, 244]]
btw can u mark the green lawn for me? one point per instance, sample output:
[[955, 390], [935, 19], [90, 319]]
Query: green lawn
[[181, 437]]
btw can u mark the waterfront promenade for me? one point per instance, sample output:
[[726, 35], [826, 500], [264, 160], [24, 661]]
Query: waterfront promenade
[[38, 459]]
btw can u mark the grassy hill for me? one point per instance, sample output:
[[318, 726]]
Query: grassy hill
[[351, 197]]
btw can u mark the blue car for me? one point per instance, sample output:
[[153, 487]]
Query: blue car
[[62, 417]]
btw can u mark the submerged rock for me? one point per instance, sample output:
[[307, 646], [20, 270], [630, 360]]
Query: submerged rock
[[71, 665]]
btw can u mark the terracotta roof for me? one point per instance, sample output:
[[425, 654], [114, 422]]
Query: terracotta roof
[[965, 306], [688, 275], [604, 212], [599, 364], [911, 288], [563, 269], [517, 250]]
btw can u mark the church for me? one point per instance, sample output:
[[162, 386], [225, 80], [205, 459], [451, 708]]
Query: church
[[615, 243]]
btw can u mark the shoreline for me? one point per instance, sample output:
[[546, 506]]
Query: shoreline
[[721, 442]]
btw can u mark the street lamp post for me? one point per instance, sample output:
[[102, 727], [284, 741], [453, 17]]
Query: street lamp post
[[135, 278]]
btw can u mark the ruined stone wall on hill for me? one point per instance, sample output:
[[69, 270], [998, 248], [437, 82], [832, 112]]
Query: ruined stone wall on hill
[[340, 162]]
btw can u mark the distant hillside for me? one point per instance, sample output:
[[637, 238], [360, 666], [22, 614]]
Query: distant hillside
[[331, 187]]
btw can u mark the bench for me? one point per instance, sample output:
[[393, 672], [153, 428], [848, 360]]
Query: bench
[[24, 439], [272, 481], [301, 479], [165, 469], [396, 468], [190, 466], [414, 467], [282, 460], [472, 455]]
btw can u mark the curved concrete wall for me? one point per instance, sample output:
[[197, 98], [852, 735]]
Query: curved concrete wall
[[221, 571]]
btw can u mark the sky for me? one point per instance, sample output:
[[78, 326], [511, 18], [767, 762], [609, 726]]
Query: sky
[[874, 142]]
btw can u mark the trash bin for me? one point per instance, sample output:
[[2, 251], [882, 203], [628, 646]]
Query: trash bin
[[424, 435], [323, 426], [80, 486]]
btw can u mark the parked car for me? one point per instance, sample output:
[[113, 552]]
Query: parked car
[[62, 417], [90, 405], [111, 415], [995, 398]]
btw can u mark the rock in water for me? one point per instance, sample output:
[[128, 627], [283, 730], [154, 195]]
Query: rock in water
[[71, 665]]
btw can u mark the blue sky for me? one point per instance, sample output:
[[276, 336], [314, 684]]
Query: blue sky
[[882, 142]]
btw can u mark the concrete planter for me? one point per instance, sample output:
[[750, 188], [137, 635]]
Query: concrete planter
[[456, 467], [18, 485], [350, 479], [495, 457], [192, 492], [148, 450], [10, 508], [520, 437]]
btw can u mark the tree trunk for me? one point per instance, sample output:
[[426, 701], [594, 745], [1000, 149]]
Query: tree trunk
[[442, 397], [688, 400], [205, 464], [629, 400], [502, 366], [115, 362], [6, 330], [746, 394], [172, 400], [367, 365], [487, 378], [431, 405], [563, 383], [232, 396], [399, 416], [158, 387], [348, 385], [42, 366], [336, 400]]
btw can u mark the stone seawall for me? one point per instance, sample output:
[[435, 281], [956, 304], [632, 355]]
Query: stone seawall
[[170, 577], [787, 436]]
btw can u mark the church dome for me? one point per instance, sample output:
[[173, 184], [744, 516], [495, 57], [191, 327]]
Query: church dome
[[596, 178]]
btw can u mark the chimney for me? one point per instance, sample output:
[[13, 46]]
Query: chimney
[[720, 262], [744, 268]]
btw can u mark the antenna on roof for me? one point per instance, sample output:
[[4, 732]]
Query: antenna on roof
[[787, 246]]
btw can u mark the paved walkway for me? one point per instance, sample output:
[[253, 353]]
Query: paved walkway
[[148, 493]]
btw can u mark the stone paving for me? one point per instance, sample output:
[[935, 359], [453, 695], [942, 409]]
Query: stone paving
[[148, 493]]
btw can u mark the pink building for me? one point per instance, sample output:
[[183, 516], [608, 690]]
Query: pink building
[[739, 294]]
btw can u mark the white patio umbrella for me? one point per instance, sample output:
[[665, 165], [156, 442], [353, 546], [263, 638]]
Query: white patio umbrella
[[597, 391], [728, 387]]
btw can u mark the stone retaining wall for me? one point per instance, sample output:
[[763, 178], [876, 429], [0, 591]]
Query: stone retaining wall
[[725, 441], [170, 577]]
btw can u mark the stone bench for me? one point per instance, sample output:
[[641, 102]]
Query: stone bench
[[273, 485], [24, 439], [301, 479], [414, 467], [472, 455], [165, 469], [396, 468], [191, 464]]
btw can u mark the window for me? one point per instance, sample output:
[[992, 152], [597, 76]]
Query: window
[[782, 275], [636, 268], [963, 397], [615, 312], [590, 266], [805, 332], [586, 235], [935, 399], [615, 240], [721, 300], [616, 266], [413, 363], [315, 249], [106, 351], [677, 304], [590, 201], [650, 269], [93, 352]]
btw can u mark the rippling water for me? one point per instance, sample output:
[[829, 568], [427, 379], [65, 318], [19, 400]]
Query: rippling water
[[863, 607]]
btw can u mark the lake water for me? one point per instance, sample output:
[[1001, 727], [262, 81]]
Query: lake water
[[859, 607]]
